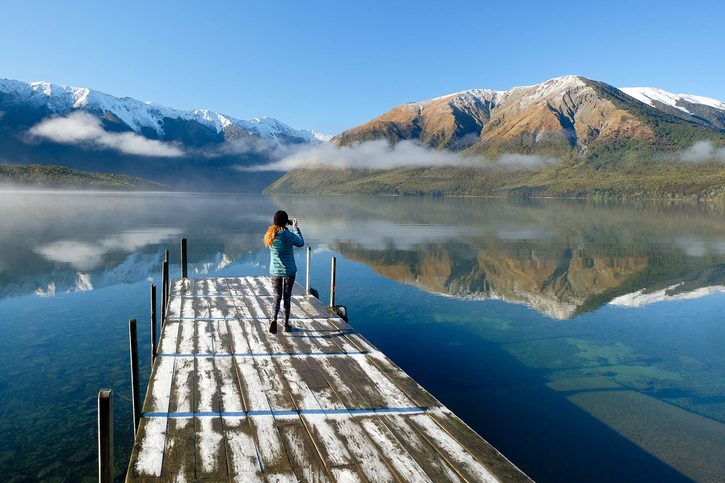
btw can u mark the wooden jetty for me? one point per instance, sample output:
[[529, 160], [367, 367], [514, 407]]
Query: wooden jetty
[[229, 401]]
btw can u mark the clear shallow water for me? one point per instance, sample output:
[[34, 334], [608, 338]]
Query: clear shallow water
[[582, 340]]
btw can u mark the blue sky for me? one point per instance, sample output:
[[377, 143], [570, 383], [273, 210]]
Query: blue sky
[[330, 65]]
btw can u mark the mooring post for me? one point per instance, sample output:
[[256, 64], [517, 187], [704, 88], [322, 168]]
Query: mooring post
[[105, 436], [184, 272], [153, 321], [135, 396], [163, 293], [332, 282], [164, 287], [307, 275]]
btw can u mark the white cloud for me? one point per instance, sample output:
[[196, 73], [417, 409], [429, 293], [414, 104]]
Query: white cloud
[[701, 152], [86, 256], [83, 128], [379, 154]]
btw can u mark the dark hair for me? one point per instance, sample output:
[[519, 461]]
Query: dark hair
[[281, 218]]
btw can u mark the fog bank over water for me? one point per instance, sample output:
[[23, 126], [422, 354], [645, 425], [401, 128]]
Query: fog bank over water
[[380, 154]]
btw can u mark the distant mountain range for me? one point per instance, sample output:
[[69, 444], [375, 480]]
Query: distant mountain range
[[571, 136], [568, 136], [94, 131]]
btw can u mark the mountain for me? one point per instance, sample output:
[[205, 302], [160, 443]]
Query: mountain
[[186, 149], [152, 120], [571, 136], [566, 116]]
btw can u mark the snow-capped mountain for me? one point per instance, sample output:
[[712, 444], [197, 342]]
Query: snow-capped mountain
[[653, 96], [88, 130], [568, 115], [142, 116], [688, 106]]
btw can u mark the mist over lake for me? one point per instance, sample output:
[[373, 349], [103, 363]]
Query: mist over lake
[[581, 339]]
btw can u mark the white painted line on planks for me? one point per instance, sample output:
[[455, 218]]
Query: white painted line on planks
[[286, 412], [268, 354]]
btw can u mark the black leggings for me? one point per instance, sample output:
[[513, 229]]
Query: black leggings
[[283, 287]]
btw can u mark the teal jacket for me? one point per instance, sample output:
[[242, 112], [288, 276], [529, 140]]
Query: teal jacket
[[281, 258]]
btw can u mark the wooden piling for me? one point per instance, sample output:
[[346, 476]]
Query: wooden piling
[[184, 271], [153, 321], [332, 282], [135, 392], [307, 275], [105, 436], [164, 287]]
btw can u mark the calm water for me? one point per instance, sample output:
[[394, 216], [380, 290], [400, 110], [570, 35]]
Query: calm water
[[585, 341]]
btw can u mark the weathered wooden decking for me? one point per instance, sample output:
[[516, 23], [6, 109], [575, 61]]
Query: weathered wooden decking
[[227, 400]]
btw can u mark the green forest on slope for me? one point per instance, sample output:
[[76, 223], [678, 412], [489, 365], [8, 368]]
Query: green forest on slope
[[39, 176]]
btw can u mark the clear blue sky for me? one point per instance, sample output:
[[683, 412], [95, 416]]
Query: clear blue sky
[[329, 65]]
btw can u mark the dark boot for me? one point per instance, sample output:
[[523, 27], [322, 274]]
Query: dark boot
[[273, 327], [287, 327]]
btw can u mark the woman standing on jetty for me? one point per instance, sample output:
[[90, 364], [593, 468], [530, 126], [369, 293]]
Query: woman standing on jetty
[[282, 268]]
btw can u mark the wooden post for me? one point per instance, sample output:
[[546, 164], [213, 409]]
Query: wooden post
[[164, 287], [135, 396], [332, 282], [184, 272], [307, 275], [105, 436], [153, 322]]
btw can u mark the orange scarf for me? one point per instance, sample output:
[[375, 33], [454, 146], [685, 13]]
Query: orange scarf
[[271, 234]]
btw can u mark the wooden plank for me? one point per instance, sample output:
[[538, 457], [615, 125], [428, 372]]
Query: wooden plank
[[331, 392], [223, 307], [330, 447], [303, 455], [420, 449], [180, 456], [489, 456], [200, 307], [451, 450], [335, 336], [241, 449], [304, 376], [257, 393], [148, 451], [180, 287], [211, 457], [168, 339], [396, 454]]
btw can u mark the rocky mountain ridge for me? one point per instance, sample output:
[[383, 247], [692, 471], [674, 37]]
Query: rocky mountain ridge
[[567, 116]]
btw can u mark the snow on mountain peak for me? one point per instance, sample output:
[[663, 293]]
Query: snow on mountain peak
[[650, 95], [138, 114]]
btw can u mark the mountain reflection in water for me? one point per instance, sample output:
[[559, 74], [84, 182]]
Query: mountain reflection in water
[[560, 258]]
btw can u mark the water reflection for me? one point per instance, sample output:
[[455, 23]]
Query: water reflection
[[560, 258], [53, 242]]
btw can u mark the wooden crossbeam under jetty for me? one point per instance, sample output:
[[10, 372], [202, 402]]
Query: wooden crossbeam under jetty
[[229, 401]]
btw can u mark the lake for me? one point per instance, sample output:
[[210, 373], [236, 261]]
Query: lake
[[584, 340]]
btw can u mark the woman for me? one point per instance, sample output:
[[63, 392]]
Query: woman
[[282, 266]]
